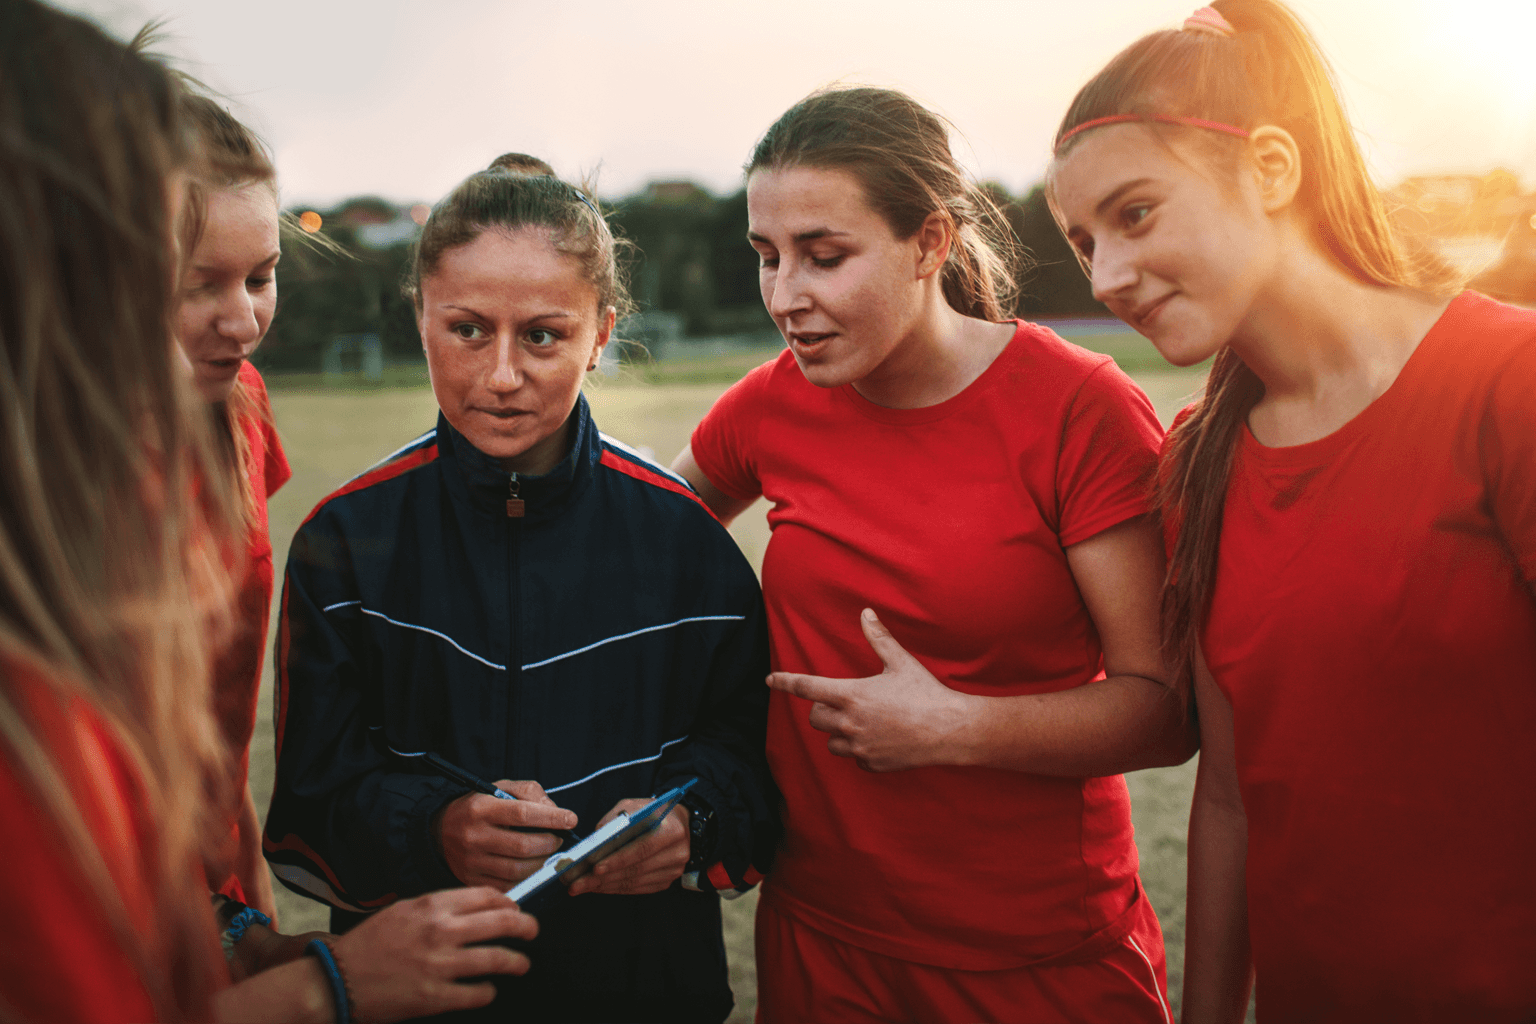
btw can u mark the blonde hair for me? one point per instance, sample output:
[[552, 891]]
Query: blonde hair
[[229, 155], [118, 509]]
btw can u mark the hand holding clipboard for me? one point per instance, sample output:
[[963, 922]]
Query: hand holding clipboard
[[567, 866], [630, 822]]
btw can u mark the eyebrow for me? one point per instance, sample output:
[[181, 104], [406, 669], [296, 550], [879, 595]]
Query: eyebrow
[[556, 315], [803, 236], [1109, 200], [203, 268]]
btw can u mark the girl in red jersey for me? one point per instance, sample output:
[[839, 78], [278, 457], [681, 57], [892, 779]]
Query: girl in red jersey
[[228, 297], [959, 500], [1351, 510], [118, 511]]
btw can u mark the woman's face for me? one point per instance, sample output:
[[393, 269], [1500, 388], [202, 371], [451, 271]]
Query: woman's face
[[842, 288], [229, 287], [511, 326], [1176, 249]]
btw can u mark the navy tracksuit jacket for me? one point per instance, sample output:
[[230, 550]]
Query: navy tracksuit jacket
[[610, 643]]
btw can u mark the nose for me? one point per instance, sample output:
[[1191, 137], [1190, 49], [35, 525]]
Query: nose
[[506, 372], [1113, 272], [785, 294], [237, 319]]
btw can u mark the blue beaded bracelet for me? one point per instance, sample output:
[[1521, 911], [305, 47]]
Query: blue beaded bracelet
[[322, 952], [235, 930]]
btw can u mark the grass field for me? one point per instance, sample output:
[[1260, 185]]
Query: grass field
[[332, 434]]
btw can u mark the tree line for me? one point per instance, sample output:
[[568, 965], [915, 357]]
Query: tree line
[[688, 256]]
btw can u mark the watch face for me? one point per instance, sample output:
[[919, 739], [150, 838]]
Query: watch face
[[701, 829]]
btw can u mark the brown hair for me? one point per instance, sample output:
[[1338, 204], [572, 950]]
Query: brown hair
[[521, 163], [1269, 72], [228, 156], [517, 191], [108, 562], [899, 152]]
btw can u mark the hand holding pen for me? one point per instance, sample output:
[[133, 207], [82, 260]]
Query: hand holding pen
[[448, 770], [500, 840]]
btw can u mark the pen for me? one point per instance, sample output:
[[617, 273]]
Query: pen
[[452, 771]]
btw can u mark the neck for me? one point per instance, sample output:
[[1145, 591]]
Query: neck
[[1326, 344], [544, 455], [941, 354]]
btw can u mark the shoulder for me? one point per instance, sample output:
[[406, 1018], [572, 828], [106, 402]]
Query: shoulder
[[381, 483], [1055, 369], [767, 385], [1482, 334], [257, 408], [252, 379], [636, 472], [1067, 381], [270, 461]]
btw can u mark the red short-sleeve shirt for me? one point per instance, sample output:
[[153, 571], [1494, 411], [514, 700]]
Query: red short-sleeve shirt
[[951, 521], [59, 958], [1374, 626]]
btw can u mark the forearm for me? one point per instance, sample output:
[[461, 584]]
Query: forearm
[[372, 833], [297, 991], [1115, 725], [1218, 964], [252, 870]]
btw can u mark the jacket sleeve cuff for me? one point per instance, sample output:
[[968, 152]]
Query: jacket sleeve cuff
[[426, 856]]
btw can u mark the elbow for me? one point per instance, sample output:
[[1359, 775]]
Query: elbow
[[1173, 736]]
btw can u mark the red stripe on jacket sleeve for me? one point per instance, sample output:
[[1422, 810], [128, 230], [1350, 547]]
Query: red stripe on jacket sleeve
[[388, 471], [282, 670], [651, 477], [299, 846]]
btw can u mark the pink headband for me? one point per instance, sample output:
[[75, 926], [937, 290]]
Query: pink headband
[[1209, 21], [1193, 122]]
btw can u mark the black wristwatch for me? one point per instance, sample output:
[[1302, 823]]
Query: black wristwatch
[[702, 830]]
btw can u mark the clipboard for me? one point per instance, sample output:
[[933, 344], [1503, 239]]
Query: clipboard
[[564, 867]]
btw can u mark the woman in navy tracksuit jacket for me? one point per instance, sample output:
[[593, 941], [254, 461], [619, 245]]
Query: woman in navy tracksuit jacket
[[592, 628]]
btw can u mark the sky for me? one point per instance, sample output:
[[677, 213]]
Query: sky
[[403, 98]]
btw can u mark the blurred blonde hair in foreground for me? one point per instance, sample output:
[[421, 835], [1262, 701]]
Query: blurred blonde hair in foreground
[[118, 517]]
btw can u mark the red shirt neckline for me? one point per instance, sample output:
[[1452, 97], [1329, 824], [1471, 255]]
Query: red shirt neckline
[[1324, 448], [950, 405]]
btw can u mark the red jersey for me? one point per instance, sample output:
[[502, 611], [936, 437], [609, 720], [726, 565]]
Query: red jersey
[[951, 522], [59, 957], [1374, 627], [237, 671]]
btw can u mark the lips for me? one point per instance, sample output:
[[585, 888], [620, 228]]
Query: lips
[[1142, 314], [806, 343], [221, 367]]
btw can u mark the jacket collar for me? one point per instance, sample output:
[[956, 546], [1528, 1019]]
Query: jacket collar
[[480, 480]]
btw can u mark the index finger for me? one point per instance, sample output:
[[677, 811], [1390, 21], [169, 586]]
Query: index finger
[[506, 921], [526, 814], [831, 692], [525, 789]]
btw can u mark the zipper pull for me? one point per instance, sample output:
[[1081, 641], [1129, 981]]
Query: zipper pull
[[514, 503]]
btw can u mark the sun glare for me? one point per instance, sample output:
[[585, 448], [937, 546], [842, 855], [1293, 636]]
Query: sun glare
[[1488, 42]]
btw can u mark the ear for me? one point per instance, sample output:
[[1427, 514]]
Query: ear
[[934, 237], [1276, 165], [604, 335]]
